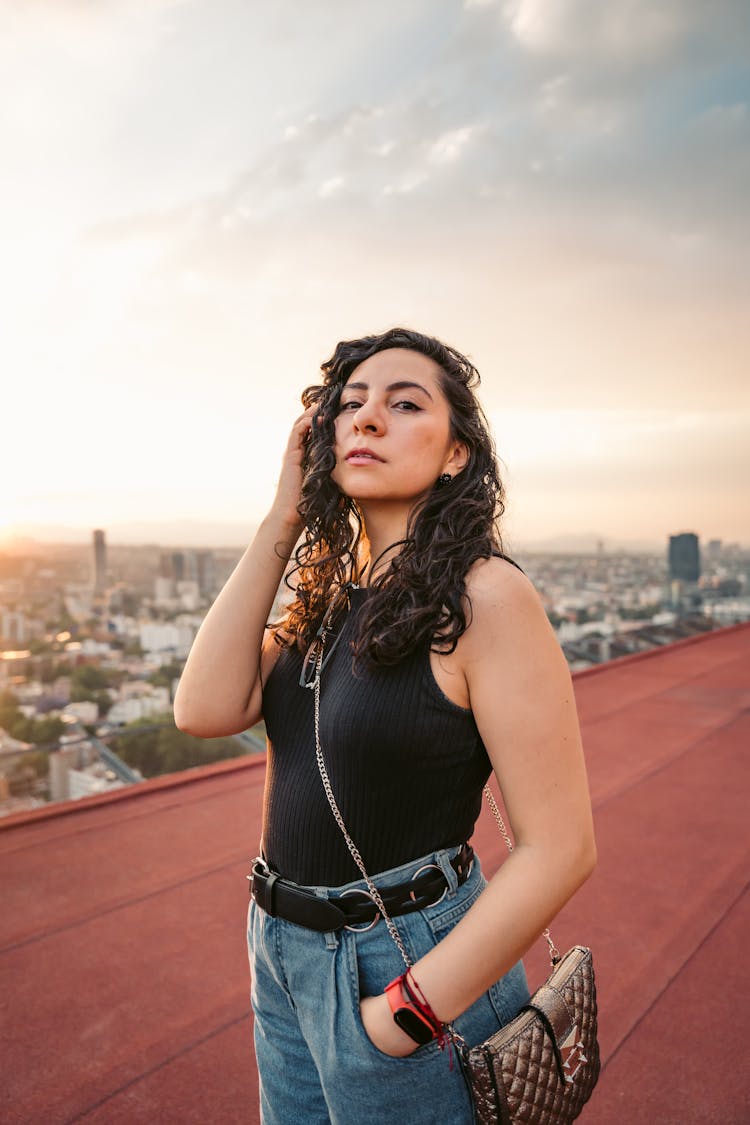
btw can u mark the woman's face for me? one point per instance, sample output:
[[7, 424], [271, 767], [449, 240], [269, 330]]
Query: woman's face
[[392, 432]]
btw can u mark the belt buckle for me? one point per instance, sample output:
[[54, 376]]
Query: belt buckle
[[429, 867], [363, 928], [262, 868]]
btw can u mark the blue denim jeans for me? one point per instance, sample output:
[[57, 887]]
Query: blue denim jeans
[[315, 1061]]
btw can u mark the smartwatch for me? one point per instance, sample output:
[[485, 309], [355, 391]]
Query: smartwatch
[[407, 1016]]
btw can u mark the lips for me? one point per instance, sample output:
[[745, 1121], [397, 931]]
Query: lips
[[362, 455]]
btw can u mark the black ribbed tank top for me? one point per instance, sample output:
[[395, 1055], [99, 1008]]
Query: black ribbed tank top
[[406, 764]]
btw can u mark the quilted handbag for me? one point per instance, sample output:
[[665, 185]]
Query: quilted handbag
[[541, 1067]]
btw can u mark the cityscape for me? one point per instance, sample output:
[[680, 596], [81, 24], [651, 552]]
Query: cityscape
[[93, 640]]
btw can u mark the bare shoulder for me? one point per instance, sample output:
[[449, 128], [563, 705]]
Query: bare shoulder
[[496, 577], [495, 586], [506, 610]]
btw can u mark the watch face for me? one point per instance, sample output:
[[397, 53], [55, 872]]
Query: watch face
[[415, 1027]]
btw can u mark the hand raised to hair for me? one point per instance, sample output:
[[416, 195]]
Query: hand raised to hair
[[289, 487]]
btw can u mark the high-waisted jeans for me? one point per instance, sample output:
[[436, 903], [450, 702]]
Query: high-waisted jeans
[[315, 1061]]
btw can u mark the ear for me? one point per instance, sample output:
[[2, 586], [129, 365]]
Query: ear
[[458, 459]]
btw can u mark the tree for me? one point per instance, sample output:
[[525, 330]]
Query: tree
[[48, 670], [38, 646], [18, 726], [169, 750], [163, 676], [38, 730], [91, 682], [87, 677], [103, 701], [9, 712]]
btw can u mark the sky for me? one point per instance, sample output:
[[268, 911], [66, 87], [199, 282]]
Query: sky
[[197, 201]]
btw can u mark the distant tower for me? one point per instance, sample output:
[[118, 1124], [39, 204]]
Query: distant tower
[[191, 566], [178, 566], [684, 557], [100, 563], [206, 572]]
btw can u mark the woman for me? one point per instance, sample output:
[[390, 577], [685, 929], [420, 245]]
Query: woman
[[439, 667]]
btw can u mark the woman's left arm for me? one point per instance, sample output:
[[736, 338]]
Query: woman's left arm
[[522, 698]]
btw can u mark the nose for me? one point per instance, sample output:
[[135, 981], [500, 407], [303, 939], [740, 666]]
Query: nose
[[369, 418]]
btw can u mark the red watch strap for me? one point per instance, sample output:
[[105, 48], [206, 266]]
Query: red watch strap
[[395, 994], [396, 998]]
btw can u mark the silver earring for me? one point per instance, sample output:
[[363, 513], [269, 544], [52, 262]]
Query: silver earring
[[443, 480]]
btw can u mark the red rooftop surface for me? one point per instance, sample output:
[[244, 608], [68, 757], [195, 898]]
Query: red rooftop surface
[[124, 981]]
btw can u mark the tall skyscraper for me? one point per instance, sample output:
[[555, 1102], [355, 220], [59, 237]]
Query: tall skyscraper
[[178, 566], [684, 557], [206, 572], [100, 562]]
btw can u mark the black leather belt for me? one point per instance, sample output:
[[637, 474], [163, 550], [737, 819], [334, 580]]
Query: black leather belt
[[353, 909]]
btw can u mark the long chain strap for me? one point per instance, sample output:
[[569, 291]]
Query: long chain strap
[[374, 892], [554, 952]]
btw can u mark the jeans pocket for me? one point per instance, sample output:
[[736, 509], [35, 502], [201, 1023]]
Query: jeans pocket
[[494, 1008], [374, 961], [510, 993]]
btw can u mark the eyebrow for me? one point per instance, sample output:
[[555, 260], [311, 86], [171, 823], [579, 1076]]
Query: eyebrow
[[401, 385]]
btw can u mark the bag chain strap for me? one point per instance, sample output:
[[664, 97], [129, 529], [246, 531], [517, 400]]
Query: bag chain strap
[[374, 892], [554, 953]]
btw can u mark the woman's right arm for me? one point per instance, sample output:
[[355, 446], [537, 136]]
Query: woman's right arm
[[220, 690]]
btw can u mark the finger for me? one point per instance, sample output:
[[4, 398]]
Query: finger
[[305, 422], [307, 415]]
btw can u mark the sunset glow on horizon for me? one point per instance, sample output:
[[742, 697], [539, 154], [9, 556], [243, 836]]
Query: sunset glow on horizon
[[202, 200]]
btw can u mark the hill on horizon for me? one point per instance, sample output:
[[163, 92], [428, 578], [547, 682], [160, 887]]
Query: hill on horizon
[[221, 534]]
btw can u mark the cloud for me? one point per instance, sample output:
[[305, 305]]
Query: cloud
[[331, 186], [452, 146], [565, 234], [579, 27], [634, 34]]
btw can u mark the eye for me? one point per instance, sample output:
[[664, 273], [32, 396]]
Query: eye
[[352, 404], [406, 405]]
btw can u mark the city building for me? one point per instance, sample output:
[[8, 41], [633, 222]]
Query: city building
[[684, 557], [14, 627], [164, 591], [194, 567], [155, 701], [166, 638], [100, 562], [206, 573], [83, 711], [94, 779]]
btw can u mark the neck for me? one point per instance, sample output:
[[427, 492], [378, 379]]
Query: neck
[[383, 529]]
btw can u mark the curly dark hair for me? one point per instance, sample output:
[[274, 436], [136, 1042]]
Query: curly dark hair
[[421, 594]]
